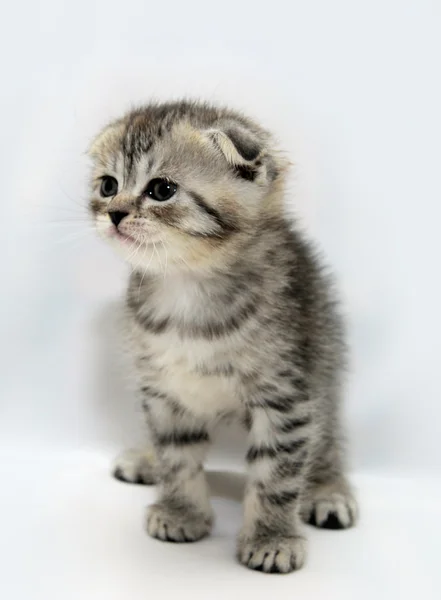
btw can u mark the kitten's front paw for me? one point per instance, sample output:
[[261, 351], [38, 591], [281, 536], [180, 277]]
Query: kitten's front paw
[[136, 466], [272, 554], [171, 525]]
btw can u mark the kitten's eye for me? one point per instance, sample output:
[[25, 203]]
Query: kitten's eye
[[109, 186], [161, 189]]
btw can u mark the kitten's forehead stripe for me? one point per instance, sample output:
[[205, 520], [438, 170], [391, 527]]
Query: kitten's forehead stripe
[[136, 142]]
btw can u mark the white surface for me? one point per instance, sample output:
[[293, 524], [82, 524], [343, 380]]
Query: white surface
[[72, 532], [352, 90]]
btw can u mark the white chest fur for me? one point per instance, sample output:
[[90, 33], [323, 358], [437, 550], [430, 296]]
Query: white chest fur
[[197, 373]]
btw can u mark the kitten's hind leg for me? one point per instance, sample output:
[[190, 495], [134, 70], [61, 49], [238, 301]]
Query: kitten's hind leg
[[329, 501], [330, 505], [137, 466]]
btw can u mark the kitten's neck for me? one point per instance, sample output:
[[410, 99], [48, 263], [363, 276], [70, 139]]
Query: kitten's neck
[[185, 291]]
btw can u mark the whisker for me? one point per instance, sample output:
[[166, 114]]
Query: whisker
[[131, 250], [138, 247], [63, 224], [144, 274], [77, 235], [166, 256], [134, 249], [69, 196], [157, 254], [181, 258], [72, 209]]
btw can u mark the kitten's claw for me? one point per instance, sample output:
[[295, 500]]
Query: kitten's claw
[[330, 507], [170, 525], [136, 466], [272, 554]]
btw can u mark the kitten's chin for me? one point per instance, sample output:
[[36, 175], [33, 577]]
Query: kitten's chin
[[146, 256], [131, 251], [144, 252], [123, 239]]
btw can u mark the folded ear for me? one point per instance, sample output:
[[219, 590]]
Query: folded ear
[[245, 151], [237, 144]]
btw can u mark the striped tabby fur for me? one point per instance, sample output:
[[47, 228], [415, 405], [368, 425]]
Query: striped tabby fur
[[229, 314]]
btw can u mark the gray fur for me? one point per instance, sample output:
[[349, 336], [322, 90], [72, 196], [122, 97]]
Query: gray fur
[[229, 312]]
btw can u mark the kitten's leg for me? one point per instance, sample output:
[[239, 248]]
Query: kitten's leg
[[182, 512], [271, 539], [329, 502], [137, 465]]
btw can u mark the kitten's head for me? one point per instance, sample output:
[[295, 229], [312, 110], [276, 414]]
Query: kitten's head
[[182, 184]]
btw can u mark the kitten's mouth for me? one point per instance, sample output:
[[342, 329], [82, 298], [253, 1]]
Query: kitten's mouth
[[132, 239], [116, 234], [124, 237]]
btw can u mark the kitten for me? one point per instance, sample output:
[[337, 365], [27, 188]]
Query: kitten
[[229, 313]]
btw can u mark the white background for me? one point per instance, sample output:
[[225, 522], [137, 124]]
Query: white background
[[353, 92]]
